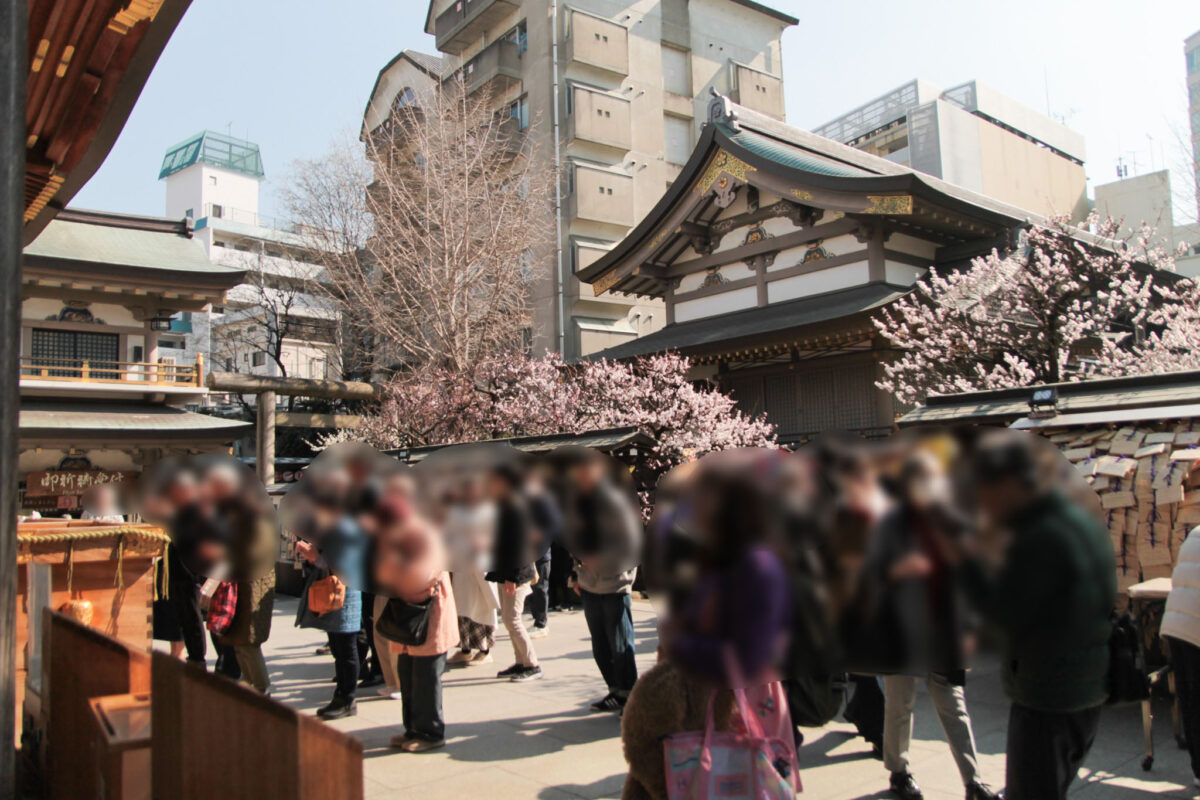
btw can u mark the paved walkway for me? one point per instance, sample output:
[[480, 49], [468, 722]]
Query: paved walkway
[[538, 740]]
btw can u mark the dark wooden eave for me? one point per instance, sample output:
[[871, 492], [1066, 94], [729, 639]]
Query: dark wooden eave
[[88, 63]]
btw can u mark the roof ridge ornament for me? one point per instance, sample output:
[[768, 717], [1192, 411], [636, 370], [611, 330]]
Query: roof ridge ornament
[[720, 110]]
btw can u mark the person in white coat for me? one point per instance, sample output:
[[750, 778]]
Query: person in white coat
[[469, 530], [1181, 629]]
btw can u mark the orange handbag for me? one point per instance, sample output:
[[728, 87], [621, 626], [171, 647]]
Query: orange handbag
[[325, 595]]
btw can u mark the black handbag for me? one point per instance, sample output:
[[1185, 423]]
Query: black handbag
[[405, 623]]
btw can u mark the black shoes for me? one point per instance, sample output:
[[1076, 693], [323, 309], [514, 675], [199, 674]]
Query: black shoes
[[338, 707], [904, 787], [526, 674], [610, 702], [981, 791], [371, 681], [510, 671]]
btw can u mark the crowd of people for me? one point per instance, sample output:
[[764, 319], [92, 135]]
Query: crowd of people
[[788, 588]]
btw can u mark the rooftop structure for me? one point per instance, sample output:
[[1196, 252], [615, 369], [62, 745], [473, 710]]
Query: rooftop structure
[[973, 136], [216, 150]]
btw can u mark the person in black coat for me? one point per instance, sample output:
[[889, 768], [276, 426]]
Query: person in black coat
[[512, 567]]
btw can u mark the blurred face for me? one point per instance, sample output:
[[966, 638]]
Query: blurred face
[[587, 474], [182, 491], [927, 486], [998, 499]]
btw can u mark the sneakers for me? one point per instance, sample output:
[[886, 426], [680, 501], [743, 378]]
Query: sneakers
[[481, 657], [338, 707], [539, 633], [904, 787], [981, 791], [527, 674], [610, 702], [399, 740], [387, 691], [510, 671]]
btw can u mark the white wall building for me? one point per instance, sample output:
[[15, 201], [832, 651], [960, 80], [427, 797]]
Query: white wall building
[[214, 180]]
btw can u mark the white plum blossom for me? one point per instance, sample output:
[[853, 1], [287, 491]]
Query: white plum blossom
[[1063, 306]]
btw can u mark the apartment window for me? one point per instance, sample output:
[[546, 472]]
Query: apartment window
[[519, 110], [677, 133], [1194, 95], [170, 344], [259, 360], [217, 211], [407, 97], [1193, 61], [677, 71], [518, 36], [318, 368]]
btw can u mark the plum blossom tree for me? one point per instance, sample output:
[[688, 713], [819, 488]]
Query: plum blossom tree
[[519, 395], [1060, 307]]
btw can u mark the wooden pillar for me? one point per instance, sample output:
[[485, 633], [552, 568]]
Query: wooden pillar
[[151, 351], [264, 452], [13, 33]]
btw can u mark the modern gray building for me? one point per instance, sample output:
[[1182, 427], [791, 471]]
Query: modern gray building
[[972, 136]]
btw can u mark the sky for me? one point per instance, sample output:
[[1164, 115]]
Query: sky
[[295, 75]]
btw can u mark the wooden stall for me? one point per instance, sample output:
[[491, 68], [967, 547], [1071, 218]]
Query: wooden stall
[[100, 573], [1135, 440], [80, 664], [216, 738]]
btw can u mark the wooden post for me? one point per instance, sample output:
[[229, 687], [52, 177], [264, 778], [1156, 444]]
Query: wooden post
[[13, 34], [200, 370], [265, 448]]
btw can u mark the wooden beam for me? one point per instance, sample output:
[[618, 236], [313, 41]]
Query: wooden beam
[[292, 387], [772, 245], [301, 419]]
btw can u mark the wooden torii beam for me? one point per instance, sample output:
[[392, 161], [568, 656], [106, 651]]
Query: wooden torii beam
[[265, 388]]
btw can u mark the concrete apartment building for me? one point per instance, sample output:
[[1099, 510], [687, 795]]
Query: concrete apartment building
[[624, 101], [214, 180], [974, 137]]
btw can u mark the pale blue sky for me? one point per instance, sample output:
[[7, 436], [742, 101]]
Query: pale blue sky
[[294, 75]]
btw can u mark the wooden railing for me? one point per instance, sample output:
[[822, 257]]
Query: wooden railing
[[69, 370]]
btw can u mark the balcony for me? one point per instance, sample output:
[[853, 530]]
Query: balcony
[[602, 196], [598, 45], [39, 372], [497, 68], [756, 90], [601, 120], [468, 20]]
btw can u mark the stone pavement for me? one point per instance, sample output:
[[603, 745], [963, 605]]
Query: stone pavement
[[538, 740]]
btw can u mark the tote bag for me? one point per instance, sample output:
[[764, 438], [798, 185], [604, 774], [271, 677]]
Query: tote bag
[[714, 765]]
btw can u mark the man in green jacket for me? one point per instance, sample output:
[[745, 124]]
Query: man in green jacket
[[1051, 600]]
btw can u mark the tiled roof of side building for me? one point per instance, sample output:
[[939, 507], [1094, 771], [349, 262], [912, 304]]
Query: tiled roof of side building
[[125, 241]]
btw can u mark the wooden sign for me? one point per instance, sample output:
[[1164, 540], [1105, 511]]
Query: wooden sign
[[59, 482]]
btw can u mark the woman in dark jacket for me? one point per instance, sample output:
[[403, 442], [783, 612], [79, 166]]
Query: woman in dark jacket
[[512, 568]]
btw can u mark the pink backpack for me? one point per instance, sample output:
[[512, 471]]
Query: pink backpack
[[748, 764]]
